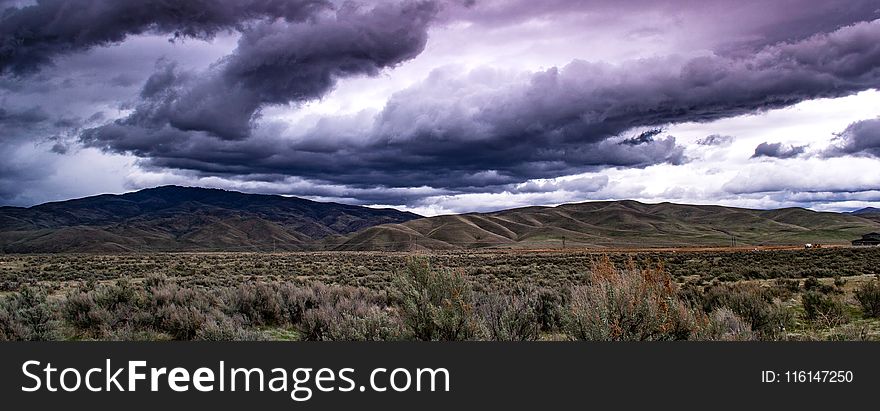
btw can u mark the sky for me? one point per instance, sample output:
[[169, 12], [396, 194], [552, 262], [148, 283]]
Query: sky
[[445, 106]]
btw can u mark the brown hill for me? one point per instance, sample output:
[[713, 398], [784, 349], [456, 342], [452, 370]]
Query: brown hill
[[610, 224], [175, 218]]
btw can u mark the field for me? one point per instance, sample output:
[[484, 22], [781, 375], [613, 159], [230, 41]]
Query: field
[[725, 294]]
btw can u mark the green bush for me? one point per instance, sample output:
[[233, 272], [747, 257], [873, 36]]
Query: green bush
[[551, 308], [812, 284], [785, 288], [868, 296], [27, 316], [824, 310], [750, 302], [434, 304]]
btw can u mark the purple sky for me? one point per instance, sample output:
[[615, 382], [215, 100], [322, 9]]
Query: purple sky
[[445, 106]]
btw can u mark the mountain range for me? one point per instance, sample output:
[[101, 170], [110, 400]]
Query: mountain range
[[613, 224], [173, 218], [869, 213]]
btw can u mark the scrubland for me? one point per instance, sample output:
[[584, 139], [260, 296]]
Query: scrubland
[[820, 294]]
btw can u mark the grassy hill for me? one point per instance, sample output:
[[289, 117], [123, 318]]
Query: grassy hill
[[194, 219], [175, 218], [870, 213], [610, 224]]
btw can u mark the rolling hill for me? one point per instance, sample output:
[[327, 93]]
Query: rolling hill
[[610, 224], [870, 213], [173, 218]]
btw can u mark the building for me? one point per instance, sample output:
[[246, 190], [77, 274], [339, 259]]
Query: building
[[872, 239]]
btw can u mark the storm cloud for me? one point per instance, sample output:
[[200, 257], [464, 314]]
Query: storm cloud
[[418, 103], [32, 36], [485, 127], [860, 138], [274, 63], [21, 118]]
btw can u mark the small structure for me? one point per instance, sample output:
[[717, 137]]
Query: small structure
[[867, 240]]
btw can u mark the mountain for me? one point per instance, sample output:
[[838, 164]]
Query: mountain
[[610, 224], [173, 218], [870, 213]]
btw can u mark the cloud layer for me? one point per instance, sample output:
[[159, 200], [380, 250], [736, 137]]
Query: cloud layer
[[32, 36], [404, 102], [458, 130]]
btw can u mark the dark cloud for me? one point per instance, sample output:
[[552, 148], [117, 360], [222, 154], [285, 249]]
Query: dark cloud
[[67, 123], [859, 138], [579, 185], [715, 140], [32, 36], [778, 150], [60, 148], [275, 63], [455, 132], [16, 171], [11, 118], [646, 137], [123, 80], [485, 128]]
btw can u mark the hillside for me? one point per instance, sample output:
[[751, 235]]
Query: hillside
[[870, 213], [175, 218], [610, 224]]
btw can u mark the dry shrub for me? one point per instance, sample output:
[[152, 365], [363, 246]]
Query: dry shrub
[[295, 301], [257, 302], [726, 325], [631, 304], [179, 311], [157, 309], [510, 317], [97, 312], [350, 320], [851, 332], [226, 329]]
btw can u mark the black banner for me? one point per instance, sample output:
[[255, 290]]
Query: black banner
[[441, 376]]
